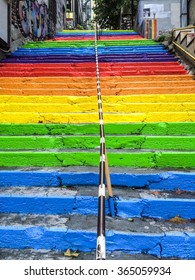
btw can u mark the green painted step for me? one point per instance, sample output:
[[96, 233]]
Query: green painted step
[[85, 44], [92, 142], [84, 129], [91, 158]]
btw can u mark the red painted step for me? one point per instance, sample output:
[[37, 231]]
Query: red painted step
[[92, 64], [64, 73], [88, 69]]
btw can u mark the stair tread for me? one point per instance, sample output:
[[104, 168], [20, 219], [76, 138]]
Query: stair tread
[[120, 192], [87, 223], [32, 254]]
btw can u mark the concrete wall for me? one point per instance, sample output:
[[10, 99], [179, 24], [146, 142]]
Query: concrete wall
[[4, 20], [4, 28], [167, 13], [61, 15], [23, 30]]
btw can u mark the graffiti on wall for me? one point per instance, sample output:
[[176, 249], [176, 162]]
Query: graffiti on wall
[[33, 18]]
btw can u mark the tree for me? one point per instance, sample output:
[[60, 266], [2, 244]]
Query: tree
[[108, 12]]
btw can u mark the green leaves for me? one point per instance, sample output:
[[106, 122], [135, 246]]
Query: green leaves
[[108, 12]]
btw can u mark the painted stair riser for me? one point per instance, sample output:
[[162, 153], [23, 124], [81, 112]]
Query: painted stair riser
[[103, 53], [89, 142], [169, 181], [102, 66], [90, 50], [87, 205], [92, 108], [130, 159], [61, 73], [85, 69], [116, 79], [70, 58], [85, 44], [79, 118], [43, 100], [162, 245], [68, 54], [88, 66], [93, 92], [163, 129], [65, 54], [104, 86], [60, 37]]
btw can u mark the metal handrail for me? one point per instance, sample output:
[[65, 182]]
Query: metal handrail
[[104, 174], [101, 241]]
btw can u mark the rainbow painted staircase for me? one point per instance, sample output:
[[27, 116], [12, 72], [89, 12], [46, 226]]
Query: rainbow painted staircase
[[49, 139]]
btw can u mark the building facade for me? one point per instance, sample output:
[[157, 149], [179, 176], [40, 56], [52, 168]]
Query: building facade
[[160, 15], [187, 16], [23, 20]]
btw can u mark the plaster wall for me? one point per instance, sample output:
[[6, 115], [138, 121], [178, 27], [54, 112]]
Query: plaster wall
[[167, 13]]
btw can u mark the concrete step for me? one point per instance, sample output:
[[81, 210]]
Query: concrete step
[[140, 236], [91, 32], [111, 79], [49, 73], [84, 43], [177, 99], [91, 108], [61, 37], [51, 235], [144, 129], [116, 158], [87, 91], [182, 143], [62, 59], [80, 118], [104, 85], [88, 176], [129, 203], [153, 65], [63, 73], [75, 33], [110, 52], [32, 254]]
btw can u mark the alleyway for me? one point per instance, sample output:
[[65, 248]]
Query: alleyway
[[49, 139]]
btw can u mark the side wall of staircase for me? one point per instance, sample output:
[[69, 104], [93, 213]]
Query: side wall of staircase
[[184, 43]]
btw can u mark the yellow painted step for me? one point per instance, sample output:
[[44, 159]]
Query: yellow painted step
[[88, 107], [89, 92], [150, 98], [8, 117]]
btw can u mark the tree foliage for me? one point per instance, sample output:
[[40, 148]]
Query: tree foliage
[[108, 12]]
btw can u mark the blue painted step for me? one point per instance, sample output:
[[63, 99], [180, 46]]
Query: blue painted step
[[73, 234], [84, 200], [160, 180]]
